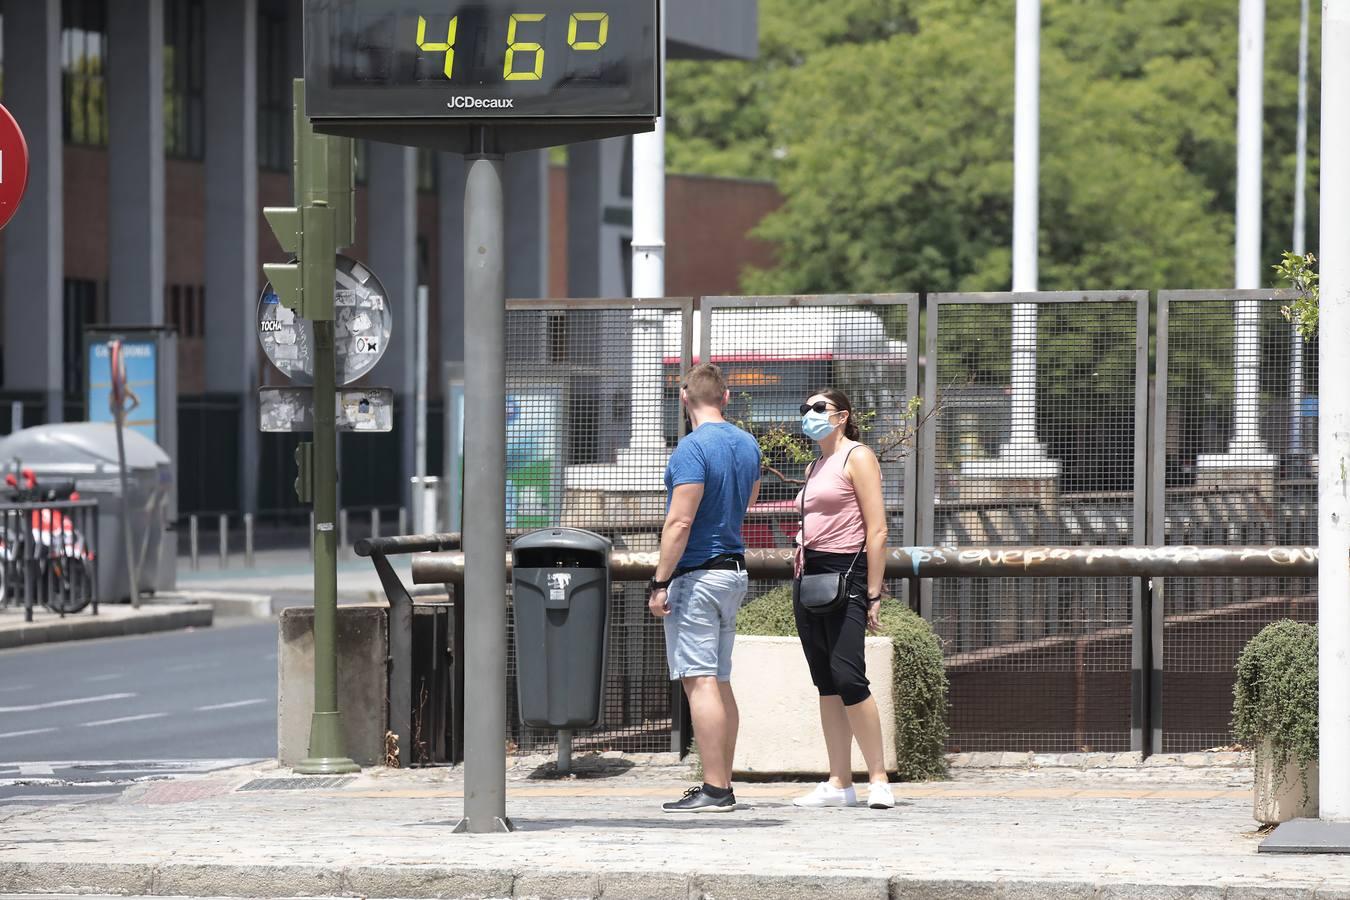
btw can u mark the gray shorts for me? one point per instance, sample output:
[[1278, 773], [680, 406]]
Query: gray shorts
[[701, 627]]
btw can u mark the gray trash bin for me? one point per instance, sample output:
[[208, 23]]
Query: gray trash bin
[[86, 453], [560, 584]]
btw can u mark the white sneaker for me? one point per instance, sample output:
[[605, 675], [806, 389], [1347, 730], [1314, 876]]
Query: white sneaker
[[827, 794], [879, 796]]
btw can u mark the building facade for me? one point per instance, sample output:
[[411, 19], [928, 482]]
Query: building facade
[[158, 131]]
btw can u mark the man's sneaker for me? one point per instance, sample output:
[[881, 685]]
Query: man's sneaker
[[827, 794], [696, 801], [879, 796]]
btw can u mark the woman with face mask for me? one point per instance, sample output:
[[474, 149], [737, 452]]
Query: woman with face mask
[[843, 531]]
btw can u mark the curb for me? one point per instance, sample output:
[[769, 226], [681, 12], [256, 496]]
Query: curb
[[1206, 759], [83, 626], [415, 881], [228, 603]]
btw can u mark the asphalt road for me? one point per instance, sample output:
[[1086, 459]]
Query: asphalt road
[[101, 712]]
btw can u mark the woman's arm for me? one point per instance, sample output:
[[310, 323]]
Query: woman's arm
[[865, 473]]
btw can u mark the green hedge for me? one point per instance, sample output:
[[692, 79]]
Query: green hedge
[[919, 677]]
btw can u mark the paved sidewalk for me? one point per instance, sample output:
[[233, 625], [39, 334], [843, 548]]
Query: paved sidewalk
[[1151, 831], [113, 620]]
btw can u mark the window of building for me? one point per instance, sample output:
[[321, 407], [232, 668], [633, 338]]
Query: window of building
[[274, 92], [84, 304], [184, 79], [185, 309], [84, 53]]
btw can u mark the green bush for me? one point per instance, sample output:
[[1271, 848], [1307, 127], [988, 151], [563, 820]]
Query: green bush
[[919, 677], [1275, 697]]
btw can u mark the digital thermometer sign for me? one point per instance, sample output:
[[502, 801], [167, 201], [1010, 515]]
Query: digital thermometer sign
[[485, 61]]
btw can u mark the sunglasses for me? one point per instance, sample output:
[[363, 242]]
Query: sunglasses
[[819, 406]]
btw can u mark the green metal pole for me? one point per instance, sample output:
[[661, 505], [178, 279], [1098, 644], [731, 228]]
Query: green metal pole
[[326, 752], [327, 755]]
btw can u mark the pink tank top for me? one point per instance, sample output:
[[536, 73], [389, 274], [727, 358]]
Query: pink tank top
[[833, 520]]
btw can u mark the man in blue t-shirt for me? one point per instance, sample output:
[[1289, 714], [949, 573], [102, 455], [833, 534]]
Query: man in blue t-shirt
[[711, 480]]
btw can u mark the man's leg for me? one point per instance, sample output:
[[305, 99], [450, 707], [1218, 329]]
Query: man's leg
[[710, 728], [733, 718], [731, 590]]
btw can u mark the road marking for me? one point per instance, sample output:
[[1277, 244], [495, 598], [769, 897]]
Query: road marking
[[236, 704], [31, 769], [141, 718], [10, 734], [191, 667], [14, 687], [112, 676], [33, 707], [21, 799]]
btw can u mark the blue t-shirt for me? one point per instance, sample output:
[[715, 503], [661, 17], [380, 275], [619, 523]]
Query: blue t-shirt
[[725, 460]]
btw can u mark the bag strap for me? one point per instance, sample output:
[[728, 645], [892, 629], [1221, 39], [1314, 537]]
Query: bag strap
[[809, 470]]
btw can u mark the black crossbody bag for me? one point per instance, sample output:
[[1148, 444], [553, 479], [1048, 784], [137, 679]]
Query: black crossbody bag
[[825, 592]]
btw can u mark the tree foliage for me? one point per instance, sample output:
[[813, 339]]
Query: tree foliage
[[887, 124]]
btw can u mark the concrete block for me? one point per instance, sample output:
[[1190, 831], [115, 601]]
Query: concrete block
[[903, 888], [1047, 890], [644, 886], [780, 731], [75, 878], [542, 885], [427, 881], [218, 880], [1160, 892], [363, 681], [1254, 892], [1272, 804], [787, 887]]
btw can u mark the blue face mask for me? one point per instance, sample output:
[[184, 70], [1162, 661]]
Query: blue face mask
[[816, 425]]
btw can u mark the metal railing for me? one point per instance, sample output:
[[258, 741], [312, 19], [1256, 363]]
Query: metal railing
[[401, 687], [48, 556], [1020, 563]]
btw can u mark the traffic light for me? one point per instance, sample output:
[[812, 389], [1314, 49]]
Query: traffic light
[[306, 285]]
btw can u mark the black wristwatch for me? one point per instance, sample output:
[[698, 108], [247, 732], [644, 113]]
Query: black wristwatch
[[655, 585]]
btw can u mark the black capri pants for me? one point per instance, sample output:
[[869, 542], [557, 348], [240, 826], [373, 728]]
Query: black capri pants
[[834, 644]]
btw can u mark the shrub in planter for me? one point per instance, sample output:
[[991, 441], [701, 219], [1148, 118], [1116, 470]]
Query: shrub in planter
[[1275, 698], [917, 672]]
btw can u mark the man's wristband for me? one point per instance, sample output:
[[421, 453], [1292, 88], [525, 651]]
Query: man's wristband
[[655, 585]]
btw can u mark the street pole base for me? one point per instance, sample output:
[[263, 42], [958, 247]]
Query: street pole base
[[326, 765], [326, 756], [495, 825], [1308, 836]]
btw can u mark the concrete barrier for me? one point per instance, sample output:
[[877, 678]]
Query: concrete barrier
[[780, 707], [362, 688]]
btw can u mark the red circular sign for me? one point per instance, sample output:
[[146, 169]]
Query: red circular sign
[[13, 166]]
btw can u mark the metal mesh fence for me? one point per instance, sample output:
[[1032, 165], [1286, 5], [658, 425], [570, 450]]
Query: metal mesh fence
[[1237, 450], [1036, 442], [777, 351], [589, 389]]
